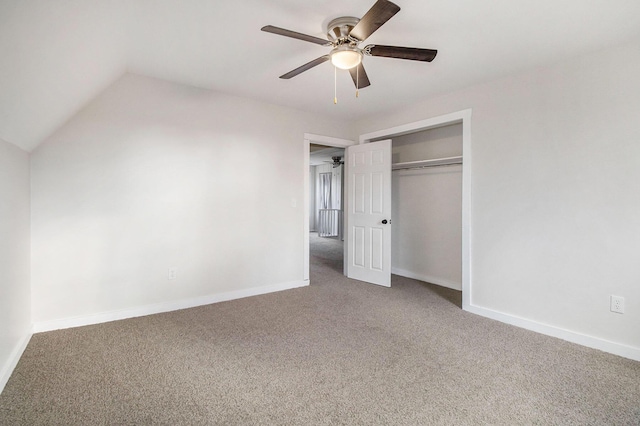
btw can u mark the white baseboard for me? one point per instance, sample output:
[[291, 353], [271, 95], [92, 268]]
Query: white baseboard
[[11, 363], [162, 307], [428, 279], [570, 336], [549, 330]]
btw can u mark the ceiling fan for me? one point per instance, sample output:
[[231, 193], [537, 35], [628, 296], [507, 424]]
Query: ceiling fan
[[335, 161], [344, 34]]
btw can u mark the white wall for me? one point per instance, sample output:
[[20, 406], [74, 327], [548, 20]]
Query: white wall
[[555, 184], [426, 211], [153, 175], [15, 292]]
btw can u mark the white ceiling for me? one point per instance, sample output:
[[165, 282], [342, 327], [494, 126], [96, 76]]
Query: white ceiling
[[323, 155], [58, 55]]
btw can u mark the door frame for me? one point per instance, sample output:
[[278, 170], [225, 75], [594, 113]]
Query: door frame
[[310, 138], [458, 117]]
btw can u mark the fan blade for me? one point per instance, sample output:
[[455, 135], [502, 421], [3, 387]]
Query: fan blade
[[359, 76], [305, 67], [293, 34], [411, 53], [380, 12]]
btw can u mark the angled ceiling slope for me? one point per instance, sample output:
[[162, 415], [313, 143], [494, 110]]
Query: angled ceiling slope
[[57, 56]]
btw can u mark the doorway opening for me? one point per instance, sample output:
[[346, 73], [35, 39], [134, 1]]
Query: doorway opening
[[326, 212], [309, 194]]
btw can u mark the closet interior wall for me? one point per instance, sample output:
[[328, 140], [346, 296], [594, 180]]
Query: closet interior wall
[[427, 208]]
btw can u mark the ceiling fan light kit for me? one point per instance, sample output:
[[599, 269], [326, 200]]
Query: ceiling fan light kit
[[344, 34], [346, 57]]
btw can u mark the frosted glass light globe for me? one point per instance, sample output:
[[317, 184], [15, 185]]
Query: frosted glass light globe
[[346, 57]]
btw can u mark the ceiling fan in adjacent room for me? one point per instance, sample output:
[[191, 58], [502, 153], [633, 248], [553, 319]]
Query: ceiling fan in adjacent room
[[336, 161], [344, 35]]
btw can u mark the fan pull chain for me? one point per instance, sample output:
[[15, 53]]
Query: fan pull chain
[[335, 85], [357, 80]]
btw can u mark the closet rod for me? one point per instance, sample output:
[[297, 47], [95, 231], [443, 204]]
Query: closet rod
[[425, 167], [436, 162]]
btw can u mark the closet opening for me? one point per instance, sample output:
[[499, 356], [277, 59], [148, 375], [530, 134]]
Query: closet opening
[[426, 206], [410, 197]]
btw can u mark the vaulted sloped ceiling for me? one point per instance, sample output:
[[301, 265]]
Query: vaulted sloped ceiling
[[58, 55]]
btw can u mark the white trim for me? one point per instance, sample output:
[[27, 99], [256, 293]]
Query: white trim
[[417, 126], [10, 364], [163, 307], [561, 333], [427, 278], [310, 138], [328, 140], [463, 117], [466, 209], [306, 152]]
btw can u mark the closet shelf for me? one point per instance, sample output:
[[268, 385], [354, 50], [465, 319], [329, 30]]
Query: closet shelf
[[427, 163]]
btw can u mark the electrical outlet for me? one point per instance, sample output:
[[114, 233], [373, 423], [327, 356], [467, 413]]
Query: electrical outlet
[[171, 275], [617, 304]]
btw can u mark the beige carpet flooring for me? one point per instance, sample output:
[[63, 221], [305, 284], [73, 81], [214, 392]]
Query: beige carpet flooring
[[336, 352]]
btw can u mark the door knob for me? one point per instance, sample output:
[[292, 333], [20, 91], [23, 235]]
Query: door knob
[[384, 221]]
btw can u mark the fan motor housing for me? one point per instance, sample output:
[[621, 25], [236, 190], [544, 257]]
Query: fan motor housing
[[338, 29]]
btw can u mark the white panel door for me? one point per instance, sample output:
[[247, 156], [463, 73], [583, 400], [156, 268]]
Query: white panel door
[[369, 212]]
